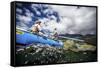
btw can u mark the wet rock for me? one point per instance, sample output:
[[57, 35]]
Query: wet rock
[[46, 55]]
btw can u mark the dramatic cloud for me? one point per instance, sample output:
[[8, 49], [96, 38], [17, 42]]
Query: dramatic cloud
[[67, 19], [19, 10], [80, 20], [24, 19], [28, 13]]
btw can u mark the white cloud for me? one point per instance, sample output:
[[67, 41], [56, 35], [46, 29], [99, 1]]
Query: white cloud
[[19, 10], [24, 19], [38, 13], [34, 8], [73, 19], [28, 13], [76, 20], [52, 24]]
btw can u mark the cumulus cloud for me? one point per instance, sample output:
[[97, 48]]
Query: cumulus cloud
[[24, 19], [19, 10], [34, 8], [28, 13], [73, 19]]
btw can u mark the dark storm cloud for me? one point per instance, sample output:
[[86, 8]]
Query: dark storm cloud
[[67, 19]]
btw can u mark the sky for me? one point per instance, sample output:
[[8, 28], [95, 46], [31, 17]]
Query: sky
[[67, 19]]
